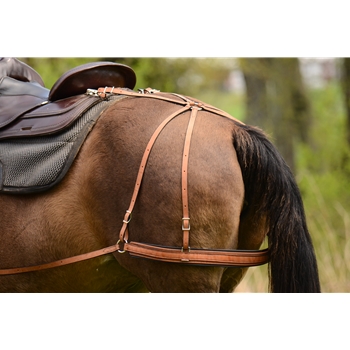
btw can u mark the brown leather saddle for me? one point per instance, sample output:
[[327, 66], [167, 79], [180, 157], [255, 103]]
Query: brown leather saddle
[[27, 108]]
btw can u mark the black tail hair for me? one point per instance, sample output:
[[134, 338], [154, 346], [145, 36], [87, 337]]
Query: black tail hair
[[270, 188]]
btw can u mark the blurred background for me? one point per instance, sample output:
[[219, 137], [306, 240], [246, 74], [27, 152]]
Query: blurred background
[[303, 104]]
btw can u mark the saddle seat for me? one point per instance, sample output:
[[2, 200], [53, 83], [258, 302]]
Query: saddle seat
[[27, 108]]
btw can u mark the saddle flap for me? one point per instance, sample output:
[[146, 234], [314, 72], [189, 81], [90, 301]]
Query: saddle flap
[[49, 118], [92, 76]]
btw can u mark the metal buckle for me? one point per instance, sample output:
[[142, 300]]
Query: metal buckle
[[196, 104], [121, 251], [189, 226], [148, 91], [129, 219], [91, 92], [152, 91], [182, 250]]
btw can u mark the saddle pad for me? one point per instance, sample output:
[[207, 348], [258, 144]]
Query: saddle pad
[[35, 164]]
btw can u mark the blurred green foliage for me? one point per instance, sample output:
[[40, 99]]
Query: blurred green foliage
[[323, 171], [322, 165], [182, 75]]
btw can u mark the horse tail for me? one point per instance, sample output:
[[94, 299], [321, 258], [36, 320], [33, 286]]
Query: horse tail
[[271, 191]]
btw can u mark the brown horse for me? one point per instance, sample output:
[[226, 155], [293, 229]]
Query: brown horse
[[240, 190]]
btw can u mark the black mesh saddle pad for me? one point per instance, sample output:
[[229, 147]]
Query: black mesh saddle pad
[[35, 164]]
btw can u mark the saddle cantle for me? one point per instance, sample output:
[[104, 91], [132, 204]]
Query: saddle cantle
[[92, 76], [29, 109]]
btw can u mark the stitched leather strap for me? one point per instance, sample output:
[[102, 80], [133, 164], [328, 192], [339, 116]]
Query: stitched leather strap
[[231, 258], [208, 257]]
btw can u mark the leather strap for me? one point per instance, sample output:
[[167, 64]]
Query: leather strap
[[184, 255], [123, 235], [230, 258], [62, 262], [208, 257], [185, 206]]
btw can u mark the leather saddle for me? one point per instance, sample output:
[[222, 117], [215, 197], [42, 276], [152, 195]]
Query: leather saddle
[[27, 108]]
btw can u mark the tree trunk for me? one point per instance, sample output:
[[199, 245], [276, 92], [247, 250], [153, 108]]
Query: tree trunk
[[255, 75], [276, 101], [346, 92]]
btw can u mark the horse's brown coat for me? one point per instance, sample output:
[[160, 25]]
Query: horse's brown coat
[[85, 211]]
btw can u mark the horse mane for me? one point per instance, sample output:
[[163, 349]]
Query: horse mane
[[271, 191]]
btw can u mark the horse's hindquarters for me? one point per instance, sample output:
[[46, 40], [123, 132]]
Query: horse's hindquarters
[[215, 192]]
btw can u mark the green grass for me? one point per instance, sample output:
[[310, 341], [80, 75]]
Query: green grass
[[323, 177]]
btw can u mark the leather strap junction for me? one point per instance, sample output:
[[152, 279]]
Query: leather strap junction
[[184, 254]]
